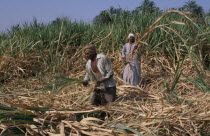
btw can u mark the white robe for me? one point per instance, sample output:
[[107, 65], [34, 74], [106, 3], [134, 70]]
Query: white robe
[[132, 71]]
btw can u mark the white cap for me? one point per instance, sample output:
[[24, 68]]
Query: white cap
[[131, 35]]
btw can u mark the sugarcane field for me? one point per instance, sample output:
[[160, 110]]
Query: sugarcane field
[[50, 75]]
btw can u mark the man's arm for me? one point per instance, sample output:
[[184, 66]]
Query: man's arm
[[124, 54], [85, 80], [108, 66]]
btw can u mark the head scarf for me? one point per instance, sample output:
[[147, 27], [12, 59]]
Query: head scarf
[[90, 48], [131, 35]]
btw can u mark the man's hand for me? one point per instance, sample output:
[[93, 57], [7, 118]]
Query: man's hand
[[85, 82], [124, 61], [100, 81]]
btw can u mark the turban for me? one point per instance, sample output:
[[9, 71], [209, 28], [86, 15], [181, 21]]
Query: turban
[[131, 35], [90, 48]]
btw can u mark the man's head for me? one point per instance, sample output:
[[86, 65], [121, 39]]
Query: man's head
[[131, 37], [90, 51]]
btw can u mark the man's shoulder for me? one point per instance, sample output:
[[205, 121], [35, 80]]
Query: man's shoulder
[[101, 56], [88, 62], [126, 44]]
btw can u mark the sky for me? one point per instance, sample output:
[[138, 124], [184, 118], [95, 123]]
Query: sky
[[14, 12]]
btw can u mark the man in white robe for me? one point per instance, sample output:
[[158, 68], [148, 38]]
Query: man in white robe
[[132, 71]]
